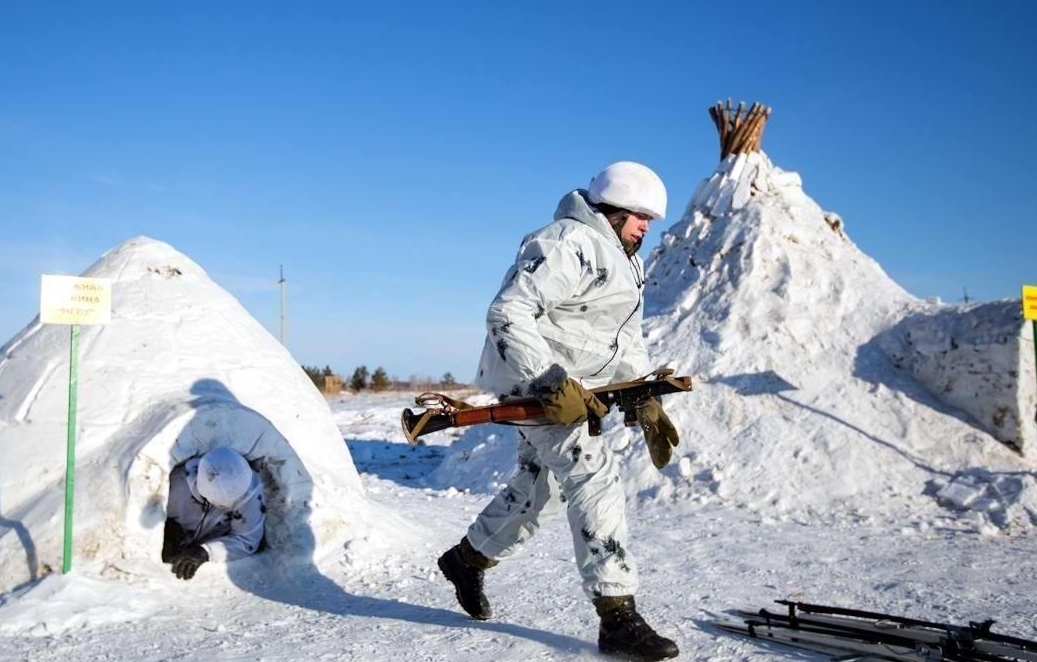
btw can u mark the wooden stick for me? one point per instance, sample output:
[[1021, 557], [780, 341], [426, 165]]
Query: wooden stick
[[758, 130], [738, 142], [746, 143], [721, 126]]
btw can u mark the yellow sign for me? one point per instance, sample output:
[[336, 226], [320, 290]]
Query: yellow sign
[[71, 300], [1030, 302]]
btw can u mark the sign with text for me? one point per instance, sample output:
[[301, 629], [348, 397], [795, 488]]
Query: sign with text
[[1030, 302], [72, 300]]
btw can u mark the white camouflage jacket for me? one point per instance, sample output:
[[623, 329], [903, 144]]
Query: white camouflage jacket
[[573, 299], [225, 533]]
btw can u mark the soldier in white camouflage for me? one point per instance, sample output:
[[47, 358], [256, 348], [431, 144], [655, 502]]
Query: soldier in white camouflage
[[215, 512], [568, 319]]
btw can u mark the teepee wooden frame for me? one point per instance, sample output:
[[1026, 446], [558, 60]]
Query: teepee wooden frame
[[740, 130]]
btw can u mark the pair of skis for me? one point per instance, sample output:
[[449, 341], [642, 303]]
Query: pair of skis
[[850, 634]]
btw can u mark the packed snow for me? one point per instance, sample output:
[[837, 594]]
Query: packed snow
[[822, 459]]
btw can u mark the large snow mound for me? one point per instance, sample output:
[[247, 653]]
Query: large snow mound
[[181, 368], [761, 295]]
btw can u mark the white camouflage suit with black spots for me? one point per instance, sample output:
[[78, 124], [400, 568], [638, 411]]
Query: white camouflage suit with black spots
[[571, 305]]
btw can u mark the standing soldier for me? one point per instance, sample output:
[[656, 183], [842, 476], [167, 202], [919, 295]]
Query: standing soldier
[[568, 319]]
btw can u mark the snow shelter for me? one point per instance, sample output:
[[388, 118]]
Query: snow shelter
[[181, 368]]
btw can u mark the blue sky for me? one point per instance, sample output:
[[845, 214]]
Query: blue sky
[[392, 156]]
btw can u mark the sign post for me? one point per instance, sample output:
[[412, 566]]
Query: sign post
[[73, 301], [1030, 313]]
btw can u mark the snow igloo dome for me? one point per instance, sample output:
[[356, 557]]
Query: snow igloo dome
[[181, 368]]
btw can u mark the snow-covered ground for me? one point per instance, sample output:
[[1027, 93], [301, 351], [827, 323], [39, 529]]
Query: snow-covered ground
[[380, 599]]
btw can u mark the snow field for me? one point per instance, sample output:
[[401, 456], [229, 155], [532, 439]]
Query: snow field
[[379, 598]]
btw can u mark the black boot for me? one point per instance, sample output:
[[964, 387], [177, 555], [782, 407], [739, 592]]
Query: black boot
[[464, 567], [624, 633]]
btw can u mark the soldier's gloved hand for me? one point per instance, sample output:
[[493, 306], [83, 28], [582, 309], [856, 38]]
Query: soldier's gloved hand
[[570, 403], [187, 561], [171, 539], [660, 435]]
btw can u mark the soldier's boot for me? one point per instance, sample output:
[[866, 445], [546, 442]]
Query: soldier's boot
[[624, 633], [464, 567]]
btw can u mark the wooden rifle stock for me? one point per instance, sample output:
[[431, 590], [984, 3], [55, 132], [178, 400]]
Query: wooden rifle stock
[[442, 412]]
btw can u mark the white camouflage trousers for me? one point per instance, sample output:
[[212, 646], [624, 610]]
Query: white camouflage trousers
[[564, 466]]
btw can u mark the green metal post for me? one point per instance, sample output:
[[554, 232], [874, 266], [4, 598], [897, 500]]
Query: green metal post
[[70, 457]]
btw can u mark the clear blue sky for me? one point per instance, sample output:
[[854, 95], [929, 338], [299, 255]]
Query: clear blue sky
[[392, 156]]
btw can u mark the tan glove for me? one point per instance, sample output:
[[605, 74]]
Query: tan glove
[[660, 435], [570, 403]]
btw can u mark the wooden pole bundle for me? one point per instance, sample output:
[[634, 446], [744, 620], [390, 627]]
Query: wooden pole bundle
[[740, 130]]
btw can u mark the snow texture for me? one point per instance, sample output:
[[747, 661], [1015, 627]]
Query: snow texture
[[181, 368], [978, 358], [59, 603]]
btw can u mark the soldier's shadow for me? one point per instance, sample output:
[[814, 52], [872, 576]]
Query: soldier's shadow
[[25, 538], [292, 578]]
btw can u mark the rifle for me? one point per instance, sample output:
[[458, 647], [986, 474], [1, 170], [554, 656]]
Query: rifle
[[442, 412]]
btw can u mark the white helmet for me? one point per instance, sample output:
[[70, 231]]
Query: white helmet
[[223, 477], [630, 186]]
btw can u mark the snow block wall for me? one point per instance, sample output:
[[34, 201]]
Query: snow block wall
[[181, 368], [978, 358]]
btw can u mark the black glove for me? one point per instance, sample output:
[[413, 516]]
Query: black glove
[[660, 435], [187, 561], [171, 539]]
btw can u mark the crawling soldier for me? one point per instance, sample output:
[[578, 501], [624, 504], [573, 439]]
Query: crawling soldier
[[215, 512]]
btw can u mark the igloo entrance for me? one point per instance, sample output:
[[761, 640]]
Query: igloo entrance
[[179, 431]]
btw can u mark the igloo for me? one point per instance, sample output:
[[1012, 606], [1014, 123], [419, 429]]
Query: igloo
[[181, 368]]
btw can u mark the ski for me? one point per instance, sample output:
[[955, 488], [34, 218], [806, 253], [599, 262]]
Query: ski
[[946, 637], [975, 630], [835, 645], [856, 634]]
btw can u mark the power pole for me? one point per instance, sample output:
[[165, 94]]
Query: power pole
[[281, 283]]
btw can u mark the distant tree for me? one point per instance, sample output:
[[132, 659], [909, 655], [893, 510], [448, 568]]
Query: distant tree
[[315, 375], [448, 380], [358, 381], [380, 379], [421, 382], [327, 372]]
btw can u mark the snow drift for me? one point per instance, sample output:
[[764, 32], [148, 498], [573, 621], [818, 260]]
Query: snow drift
[[181, 368]]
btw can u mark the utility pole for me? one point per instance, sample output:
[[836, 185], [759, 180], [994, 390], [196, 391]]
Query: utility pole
[[966, 299], [281, 283]]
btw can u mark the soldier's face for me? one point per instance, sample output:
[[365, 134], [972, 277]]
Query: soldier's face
[[635, 227]]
